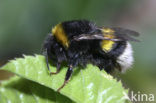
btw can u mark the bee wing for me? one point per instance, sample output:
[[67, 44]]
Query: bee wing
[[121, 34], [126, 31], [125, 34], [94, 37]]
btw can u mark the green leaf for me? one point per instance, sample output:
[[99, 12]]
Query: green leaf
[[20, 90], [89, 85]]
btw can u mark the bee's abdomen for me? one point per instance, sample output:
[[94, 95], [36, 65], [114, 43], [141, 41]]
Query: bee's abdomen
[[125, 60]]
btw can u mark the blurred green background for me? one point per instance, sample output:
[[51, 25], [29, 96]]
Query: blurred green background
[[25, 23]]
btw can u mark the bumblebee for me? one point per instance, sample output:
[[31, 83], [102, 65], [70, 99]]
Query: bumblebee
[[80, 42]]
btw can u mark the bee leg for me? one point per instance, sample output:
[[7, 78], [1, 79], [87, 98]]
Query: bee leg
[[47, 60], [57, 70], [67, 77]]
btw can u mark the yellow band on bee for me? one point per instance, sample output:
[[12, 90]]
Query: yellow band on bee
[[60, 35], [107, 45]]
